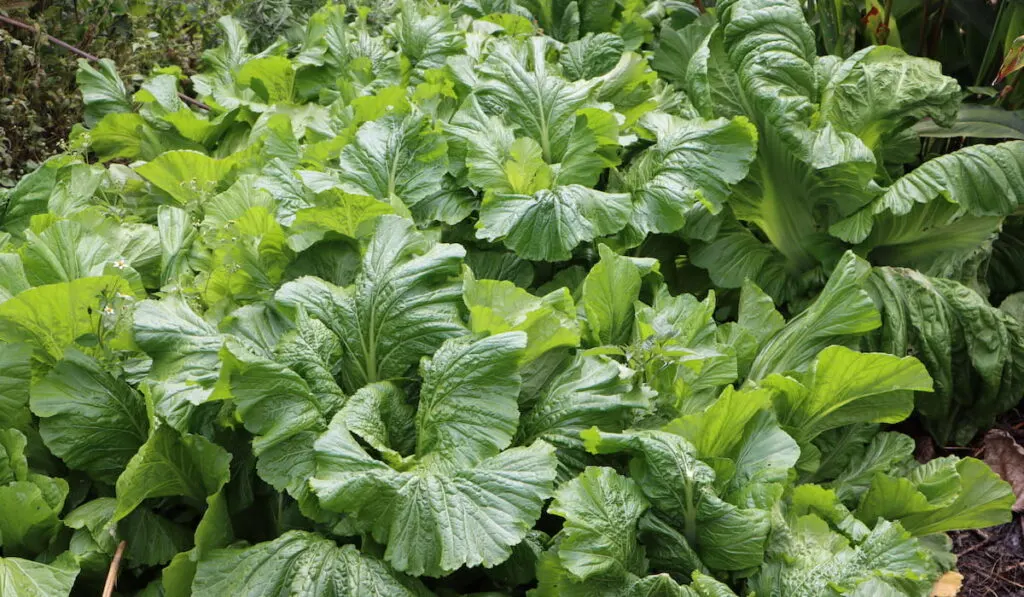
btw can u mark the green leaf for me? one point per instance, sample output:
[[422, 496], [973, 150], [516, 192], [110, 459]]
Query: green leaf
[[184, 348], [946, 206], [977, 121], [468, 408], [25, 578], [52, 317], [974, 351], [31, 513], [599, 537], [187, 176], [691, 162], [537, 104], [15, 378], [546, 226], [843, 387], [435, 520], [500, 306], [286, 400], [102, 90], [842, 310], [985, 500], [886, 452], [587, 391], [680, 486], [171, 464], [272, 77], [152, 539], [825, 562], [91, 420], [879, 91], [402, 306], [295, 563], [609, 291], [63, 252], [380, 414], [394, 158]]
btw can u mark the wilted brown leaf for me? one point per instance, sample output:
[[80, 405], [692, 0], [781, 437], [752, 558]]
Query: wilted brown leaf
[[948, 585], [1006, 457]]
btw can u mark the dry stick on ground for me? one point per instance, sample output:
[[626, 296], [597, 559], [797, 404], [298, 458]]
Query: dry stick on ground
[[84, 54], [108, 587]]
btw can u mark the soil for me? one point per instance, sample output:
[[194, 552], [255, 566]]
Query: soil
[[992, 560]]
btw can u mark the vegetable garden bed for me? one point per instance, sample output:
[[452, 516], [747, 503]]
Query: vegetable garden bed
[[510, 298]]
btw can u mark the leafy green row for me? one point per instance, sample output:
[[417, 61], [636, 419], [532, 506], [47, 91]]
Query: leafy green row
[[395, 316]]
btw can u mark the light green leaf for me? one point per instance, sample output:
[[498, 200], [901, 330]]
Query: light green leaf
[[841, 312], [609, 291], [379, 413], [187, 176], [52, 317], [25, 578], [843, 387], [394, 158], [500, 306], [985, 500], [435, 520], [31, 510]]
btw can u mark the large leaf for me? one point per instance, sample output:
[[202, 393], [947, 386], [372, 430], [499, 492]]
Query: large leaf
[[297, 562], [52, 317], [601, 509], [691, 162], [680, 486], [844, 387], [547, 225], [171, 464], [466, 416], [90, 419], [974, 351], [403, 305], [394, 159], [184, 348], [286, 400], [25, 578]]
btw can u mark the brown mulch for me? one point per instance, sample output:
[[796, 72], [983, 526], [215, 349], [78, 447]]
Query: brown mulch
[[992, 560]]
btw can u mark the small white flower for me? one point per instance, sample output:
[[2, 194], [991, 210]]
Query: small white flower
[[108, 310], [121, 263]]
